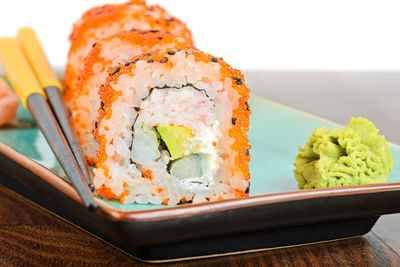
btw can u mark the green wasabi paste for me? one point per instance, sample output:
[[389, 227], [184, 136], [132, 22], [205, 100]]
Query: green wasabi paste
[[354, 155]]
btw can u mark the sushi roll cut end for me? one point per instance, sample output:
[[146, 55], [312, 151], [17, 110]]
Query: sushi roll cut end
[[173, 129]]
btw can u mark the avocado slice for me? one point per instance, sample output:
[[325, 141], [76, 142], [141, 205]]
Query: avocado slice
[[176, 139]]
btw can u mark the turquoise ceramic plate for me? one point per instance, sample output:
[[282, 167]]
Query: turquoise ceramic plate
[[276, 133], [276, 214]]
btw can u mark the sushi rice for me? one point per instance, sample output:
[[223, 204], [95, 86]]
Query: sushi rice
[[173, 128], [107, 52]]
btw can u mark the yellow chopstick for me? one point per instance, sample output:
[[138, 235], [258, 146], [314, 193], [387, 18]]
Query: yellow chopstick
[[52, 87], [37, 58], [28, 88], [18, 69]]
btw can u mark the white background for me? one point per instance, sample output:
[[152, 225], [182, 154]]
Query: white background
[[280, 34]]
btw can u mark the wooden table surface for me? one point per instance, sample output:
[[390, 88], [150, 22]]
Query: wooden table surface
[[31, 236]]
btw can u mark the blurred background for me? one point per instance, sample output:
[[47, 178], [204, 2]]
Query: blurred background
[[277, 35]]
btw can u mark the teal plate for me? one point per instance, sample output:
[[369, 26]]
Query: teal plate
[[276, 214], [276, 133]]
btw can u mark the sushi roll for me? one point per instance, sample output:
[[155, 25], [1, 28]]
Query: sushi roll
[[110, 51], [100, 22], [172, 128]]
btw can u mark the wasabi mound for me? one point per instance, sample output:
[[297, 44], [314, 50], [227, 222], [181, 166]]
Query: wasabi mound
[[354, 155]]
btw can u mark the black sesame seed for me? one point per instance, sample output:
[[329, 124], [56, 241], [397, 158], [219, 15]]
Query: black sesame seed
[[137, 109], [247, 106], [248, 189], [233, 121], [247, 152], [154, 30], [214, 59], [115, 71], [144, 32], [170, 19], [102, 105], [238, 80], [101, 85], [127, 64], [96, 124], [150, 61], [136, 60], [168, 33], [163, 60], [147, 55], [171, 53], [159, 38], [94, 44], [133, 30]]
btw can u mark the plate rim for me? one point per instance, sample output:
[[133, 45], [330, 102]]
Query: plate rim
[[107, 211]]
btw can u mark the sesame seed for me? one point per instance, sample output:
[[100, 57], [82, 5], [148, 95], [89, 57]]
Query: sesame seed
[[247, 106], [238, 80], [94, 44], [115, 71], [171, 53], [214, 59], [133, 30], [233, 121], [159, 37], [137, 109], [163, 60], [154, 30], [168, 32], [170, 19], [101, 85], [136, 60], [101, 104], [150, 61], [247, 152], [127, 64], [148, 54], [144, 32], [96, 124]]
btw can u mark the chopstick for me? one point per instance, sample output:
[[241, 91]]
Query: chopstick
[[32, 96], [48, 80]]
